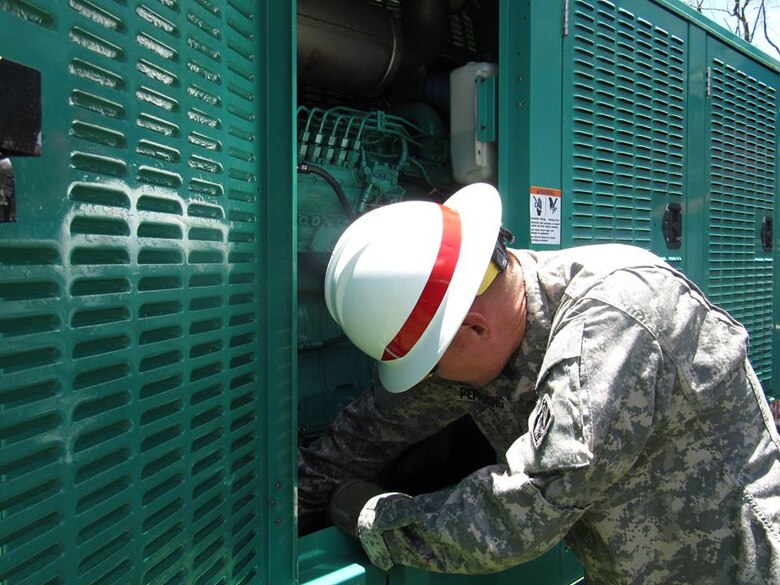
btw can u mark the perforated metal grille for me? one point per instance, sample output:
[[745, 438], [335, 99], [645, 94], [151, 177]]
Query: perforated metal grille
[[130, 383], [626, 138], [742, 187]]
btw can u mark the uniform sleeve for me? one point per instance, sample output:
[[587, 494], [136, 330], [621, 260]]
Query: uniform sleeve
[[367, 435], [594, 414]]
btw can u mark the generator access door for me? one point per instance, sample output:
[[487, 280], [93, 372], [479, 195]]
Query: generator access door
[[146, 292]]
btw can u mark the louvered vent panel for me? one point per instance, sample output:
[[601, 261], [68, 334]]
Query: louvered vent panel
[[742, 187], [627, 123], [130, 443], [33, 351]]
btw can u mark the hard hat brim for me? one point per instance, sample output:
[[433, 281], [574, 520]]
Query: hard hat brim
[[479, 207]]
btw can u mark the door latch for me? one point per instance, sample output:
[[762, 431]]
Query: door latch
[[20, 126], [767, 234], [671, 226]]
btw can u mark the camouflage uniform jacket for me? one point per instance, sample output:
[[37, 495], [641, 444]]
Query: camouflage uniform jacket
[[649, 446]]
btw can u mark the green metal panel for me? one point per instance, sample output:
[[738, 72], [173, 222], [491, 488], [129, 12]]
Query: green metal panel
[[276, 148], [330, 557], [624, 122], [546, 570], [665, 112], [716, 31], [146, 357], [741, 189], [487, 88], [695, 252], [529, 106]]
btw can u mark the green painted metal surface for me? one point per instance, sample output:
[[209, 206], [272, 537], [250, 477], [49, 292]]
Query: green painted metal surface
[[330, 557], [660, 111], [487, 97], [147, 297], [741, 175], [529, 107], [625, 123]]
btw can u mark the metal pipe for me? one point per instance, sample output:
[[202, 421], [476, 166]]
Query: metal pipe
[[349, 45], [425, 24]]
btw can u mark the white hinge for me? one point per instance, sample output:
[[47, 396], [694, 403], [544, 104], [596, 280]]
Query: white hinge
[[565, 30], [708, 82]]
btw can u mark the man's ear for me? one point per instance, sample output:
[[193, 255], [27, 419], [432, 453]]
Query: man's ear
[[477, 324]]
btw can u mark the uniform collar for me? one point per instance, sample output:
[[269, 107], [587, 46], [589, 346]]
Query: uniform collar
[[528, 358]]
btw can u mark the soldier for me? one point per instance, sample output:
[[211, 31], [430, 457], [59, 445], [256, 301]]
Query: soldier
[[627, 417]]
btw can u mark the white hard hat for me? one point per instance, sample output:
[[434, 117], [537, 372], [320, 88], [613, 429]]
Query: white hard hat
[[403, 277]]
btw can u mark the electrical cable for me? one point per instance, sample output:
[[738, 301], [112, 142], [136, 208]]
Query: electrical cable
[[322, 344], [422, 170], [330, 179]]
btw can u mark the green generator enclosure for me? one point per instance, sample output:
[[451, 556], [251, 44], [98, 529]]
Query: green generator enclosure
[[174, 175]]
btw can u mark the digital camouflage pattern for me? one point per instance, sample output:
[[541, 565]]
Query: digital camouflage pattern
[[633, 427]]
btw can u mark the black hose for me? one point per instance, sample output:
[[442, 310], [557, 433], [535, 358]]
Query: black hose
[[319, 171], [338, 340]]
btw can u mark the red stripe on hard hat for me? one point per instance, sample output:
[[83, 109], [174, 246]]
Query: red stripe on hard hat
[[435, 288]]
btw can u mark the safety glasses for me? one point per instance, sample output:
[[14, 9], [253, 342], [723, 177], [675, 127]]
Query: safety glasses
[[498, 260]]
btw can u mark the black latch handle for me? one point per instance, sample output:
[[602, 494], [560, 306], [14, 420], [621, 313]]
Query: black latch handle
[[7, 191], [767, 234], [20, 110], [672, 226], [20, 126]]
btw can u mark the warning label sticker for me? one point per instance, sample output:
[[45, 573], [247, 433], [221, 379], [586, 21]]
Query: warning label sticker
[[545, 215]]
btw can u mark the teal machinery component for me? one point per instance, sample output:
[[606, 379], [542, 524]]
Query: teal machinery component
[[349, 161], [365, 138]]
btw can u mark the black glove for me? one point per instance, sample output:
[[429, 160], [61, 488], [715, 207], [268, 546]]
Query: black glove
[[348, 500]]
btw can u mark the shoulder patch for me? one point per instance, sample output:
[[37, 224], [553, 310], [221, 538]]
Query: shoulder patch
[[542, 422]]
